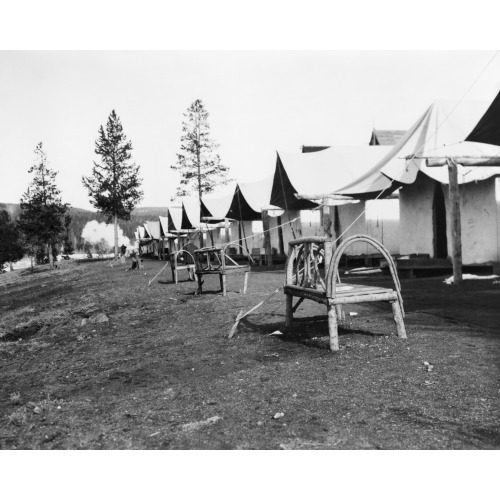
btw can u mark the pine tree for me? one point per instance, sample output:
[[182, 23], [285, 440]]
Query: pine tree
[[198, 163], [42, 210], [11, 249], [114, 184]]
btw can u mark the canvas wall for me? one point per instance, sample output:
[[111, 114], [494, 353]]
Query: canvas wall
[[479, 222], [479, 209], [416, 217]]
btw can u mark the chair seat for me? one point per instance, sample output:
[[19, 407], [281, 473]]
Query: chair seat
[[344, 293], [226, 270]]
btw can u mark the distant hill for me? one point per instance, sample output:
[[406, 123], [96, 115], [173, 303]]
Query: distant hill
[[80, 217]]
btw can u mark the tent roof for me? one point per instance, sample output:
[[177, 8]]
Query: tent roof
[[154, 229], [440, 131], [444, 123], [164, 227], [216, 208], [386, 137], [174, 219], [147, 234], [321, 172], [250, 198], [487, 130], [141, 232], [313, 149], [190, 213]]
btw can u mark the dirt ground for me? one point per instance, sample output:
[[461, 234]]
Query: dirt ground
[[160, 373]]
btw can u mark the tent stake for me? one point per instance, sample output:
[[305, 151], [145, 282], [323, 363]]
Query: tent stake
[[456, 229]]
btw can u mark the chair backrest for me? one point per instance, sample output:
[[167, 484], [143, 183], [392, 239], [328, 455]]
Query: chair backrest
[[177, 257], [309, 252], [234, 246], [333, 268]]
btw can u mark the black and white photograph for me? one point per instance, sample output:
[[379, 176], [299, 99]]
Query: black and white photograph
[[217, 249]]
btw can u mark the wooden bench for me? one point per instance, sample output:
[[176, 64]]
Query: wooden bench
[[216, 260], [182, 260], [304, 280]]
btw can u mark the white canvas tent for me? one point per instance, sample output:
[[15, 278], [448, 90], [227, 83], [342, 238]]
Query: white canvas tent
[[424, 205], [314, 175]]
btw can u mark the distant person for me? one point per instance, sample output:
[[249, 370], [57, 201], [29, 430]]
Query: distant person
[[123, 250]]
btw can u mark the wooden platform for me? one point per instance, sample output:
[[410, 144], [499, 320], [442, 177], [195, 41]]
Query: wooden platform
[[412, 267]]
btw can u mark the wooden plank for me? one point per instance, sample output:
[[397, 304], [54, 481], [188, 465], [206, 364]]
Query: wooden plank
[[354, 299], [466, 161], [296, 288], [306, 294], [362, 291], [233, 329]]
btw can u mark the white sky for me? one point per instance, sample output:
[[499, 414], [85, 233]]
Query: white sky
[[259, 102]]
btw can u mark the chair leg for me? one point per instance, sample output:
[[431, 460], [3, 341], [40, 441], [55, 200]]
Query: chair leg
[[245, 284], [200, 284], [338, 310], [223, 284], [176, 276], [398, 318], [288, 311], [333, 328]]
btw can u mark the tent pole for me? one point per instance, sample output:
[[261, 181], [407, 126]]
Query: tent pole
[[326, 222], [267, 237], [281, 246], [226, 230], [456, 229], [240, 238]]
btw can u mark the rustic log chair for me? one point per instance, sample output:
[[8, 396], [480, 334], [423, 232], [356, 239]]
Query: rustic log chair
[[303, 280], [180, 260], [216, 260]]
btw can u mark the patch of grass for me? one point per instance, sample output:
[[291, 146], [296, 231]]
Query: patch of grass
[[15, 398], [18, 417]]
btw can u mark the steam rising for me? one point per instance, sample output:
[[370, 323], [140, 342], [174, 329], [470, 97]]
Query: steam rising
[[100, 233]]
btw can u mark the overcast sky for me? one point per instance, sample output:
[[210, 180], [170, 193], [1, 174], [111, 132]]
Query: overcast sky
[[259, 102]]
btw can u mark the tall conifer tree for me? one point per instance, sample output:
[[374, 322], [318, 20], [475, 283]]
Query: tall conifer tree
[[43, 214], [114, 184], [199, 164]]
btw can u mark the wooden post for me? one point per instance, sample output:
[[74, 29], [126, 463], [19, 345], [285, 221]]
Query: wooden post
[[226, 230], [223, 284], [333, 328], [326, 219], [240, 237], [289, 311], [267, 237], [245, 285], [456, 228], [281, 247]]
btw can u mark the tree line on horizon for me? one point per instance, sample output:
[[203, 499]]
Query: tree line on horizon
[[44, 226]]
